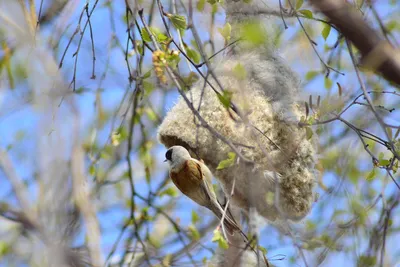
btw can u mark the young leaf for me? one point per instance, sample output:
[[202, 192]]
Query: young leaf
[[147, 74], [226, 32], [254, 33], [325, 31], [263, 250], [371, 175], [220, 240], [170, 191], [299, 3], [384, 162], [309, 133], [200, 5], [239, 71], [178, 21], [151, 114], [225, 98], [311, 75], [227, 162], [328, 83], [193, 232], [307, 13], [92, 170], [395, 166], [145, 35], [148, 87], [193, 55], [195, 217]]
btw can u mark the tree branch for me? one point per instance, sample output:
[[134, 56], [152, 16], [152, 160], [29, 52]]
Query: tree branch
[[377, 53]]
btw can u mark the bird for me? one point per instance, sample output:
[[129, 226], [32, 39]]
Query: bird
[[193, 178]]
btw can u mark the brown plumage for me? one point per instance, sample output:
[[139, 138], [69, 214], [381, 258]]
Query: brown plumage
[[193, 179]]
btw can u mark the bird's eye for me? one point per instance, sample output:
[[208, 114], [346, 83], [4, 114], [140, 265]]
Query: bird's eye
[[168, 155]]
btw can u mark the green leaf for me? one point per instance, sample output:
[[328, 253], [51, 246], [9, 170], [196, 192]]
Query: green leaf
[[371, 175], [193, 55], [225, 98], [6, 61], [328, 83], [92, 170], [325, 31], [311, 75], [170, 191], [161, 37], [366, 261], [309, 133], [226, 31], [173, 59], [254, 33], [299, 3], [178, 21], [200, 5], [195, 217], [158, 35], [81, 90], [5, 248], [106, 152], [151, 114], [212, 2], [190, 79], [395, 166], [148, 87], [193, 232], [263, 250], [239, 71], [147, 74], [145, 35], [384, 162], [392, 25], [227, 162], [220, 240], [214, 8], [307, 13], [155, 242], [270, 198]]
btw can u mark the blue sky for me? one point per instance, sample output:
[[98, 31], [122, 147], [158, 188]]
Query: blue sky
[[19, 122]]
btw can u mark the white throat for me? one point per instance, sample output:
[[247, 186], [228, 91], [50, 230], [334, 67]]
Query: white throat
[[177, 164]]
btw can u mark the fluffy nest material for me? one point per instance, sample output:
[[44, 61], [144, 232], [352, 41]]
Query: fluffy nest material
[[281, 180]]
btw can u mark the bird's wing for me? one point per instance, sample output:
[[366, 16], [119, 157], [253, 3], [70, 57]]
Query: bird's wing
[[204, 170], [190, 181], [206, 182]]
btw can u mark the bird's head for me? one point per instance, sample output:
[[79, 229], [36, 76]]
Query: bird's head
[[176, 156]]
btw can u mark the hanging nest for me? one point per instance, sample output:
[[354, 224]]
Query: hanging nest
[[279, 183]]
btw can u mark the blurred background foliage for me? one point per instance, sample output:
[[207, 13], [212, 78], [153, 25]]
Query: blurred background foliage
[[80, 76]]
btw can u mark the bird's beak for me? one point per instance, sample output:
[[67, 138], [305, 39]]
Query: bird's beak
[[165, 160]]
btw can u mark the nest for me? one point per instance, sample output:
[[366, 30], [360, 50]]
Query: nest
[[281, 180]]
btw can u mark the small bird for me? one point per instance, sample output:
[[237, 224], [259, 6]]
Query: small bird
[[193, 179]]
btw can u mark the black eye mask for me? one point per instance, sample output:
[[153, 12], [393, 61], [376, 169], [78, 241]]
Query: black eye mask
[[168, 155]]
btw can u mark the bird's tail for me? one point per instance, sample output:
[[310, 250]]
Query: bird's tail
[[229, 223]]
